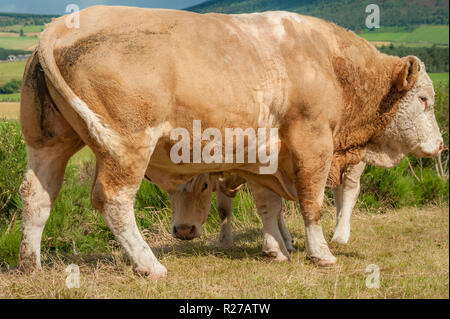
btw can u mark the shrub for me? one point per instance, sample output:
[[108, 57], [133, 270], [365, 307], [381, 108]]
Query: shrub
[[11, 86]]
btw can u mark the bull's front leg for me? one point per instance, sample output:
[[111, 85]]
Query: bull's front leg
[[345, 196], [311, 146], [225, 209], [269, 206]]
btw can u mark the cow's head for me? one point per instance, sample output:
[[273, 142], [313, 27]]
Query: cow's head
[[191, 202], [414, 128]]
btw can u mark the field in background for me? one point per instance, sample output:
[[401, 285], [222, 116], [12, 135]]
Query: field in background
[[18, 43], [11, 70], [425, 35], [26, 28], [439, 77]]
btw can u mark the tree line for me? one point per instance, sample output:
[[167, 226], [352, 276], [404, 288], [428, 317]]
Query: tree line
[[435, 58], [346, 13]]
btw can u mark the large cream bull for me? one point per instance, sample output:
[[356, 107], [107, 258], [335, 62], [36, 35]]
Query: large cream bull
[[128, 77]]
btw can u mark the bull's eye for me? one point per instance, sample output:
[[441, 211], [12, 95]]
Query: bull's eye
[[424, 100], [205, 186]]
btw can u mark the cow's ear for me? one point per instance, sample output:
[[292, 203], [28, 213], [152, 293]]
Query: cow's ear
[[405, 73]]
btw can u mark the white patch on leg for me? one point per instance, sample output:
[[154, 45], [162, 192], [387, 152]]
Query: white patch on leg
[[119, 216], [346, 196], [38, 191], [316, 246]]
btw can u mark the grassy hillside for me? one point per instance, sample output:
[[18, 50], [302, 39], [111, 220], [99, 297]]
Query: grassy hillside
[[18, 43], [346, 13], [423, 35], [11, 70]]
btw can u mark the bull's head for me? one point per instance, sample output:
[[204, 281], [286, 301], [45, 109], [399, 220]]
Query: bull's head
[[414, 129], [191, 202]]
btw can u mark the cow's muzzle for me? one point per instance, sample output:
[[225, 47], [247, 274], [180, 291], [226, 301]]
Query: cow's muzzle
[[185, 232]]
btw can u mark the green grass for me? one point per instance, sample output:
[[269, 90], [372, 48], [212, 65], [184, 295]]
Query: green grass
[[437, 77], [423, 35], [25, 28], [11, 70], [18, 43], [12, 97]]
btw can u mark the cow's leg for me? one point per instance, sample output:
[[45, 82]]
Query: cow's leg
[[269, 206], [285, 233], [345, 196], [39, 189], [113, 194], [225, 209]]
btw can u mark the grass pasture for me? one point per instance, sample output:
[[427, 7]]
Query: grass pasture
[[410, 246], [26, 28], [424, 35], [438, 77], [18, 43], [11, 70]]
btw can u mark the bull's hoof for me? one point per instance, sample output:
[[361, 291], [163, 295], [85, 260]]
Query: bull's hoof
[[341, 239], [156, 276], [28, 264], [155, 272], [324, 262]]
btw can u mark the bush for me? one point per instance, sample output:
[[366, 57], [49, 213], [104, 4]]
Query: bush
[[12, 86], [12, 166]]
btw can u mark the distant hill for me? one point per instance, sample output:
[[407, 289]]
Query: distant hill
[[9, 19], [347, 13]]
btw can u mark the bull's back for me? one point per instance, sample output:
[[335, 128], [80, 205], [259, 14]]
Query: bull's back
[[124, 61]]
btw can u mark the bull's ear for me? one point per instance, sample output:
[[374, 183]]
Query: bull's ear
[[405, 73]]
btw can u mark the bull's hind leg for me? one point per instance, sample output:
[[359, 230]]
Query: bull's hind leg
[[50, 143], [269, 206], [113, 194], [39, 190]]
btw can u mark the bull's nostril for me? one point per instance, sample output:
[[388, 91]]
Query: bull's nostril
[[192, 230]]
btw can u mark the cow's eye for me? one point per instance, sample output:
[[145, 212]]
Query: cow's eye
[[205, 186]]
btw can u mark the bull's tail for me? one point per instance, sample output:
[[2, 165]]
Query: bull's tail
[[98, 129]]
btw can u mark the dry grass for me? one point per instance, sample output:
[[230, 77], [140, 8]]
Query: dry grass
[[411, 247]]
